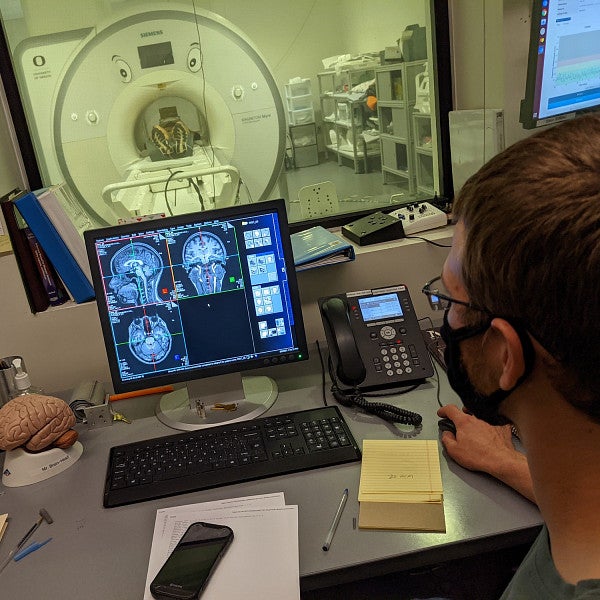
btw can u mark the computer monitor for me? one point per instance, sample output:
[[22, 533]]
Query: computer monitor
[[198, 298], [563, 73]]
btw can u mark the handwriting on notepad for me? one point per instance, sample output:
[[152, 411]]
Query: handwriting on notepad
[[401, 486], [400, 467]]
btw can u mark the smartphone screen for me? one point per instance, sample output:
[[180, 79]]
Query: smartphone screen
[[188, 568]]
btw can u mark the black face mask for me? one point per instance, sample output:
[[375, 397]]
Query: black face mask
[[483, 406]]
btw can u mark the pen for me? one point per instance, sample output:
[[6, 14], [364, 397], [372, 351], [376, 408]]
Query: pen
[[336, 520], [31, 548]]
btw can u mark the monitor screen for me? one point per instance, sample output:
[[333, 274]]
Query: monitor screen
[[563, 73], [197, 295]]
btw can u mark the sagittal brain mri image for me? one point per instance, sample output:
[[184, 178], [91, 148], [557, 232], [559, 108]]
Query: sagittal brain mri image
[[136, 269]]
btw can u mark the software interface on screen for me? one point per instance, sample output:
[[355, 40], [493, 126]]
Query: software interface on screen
[[384, 306], [566, 38], [194, 296]]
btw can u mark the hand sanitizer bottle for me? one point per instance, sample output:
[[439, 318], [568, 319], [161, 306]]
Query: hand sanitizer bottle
[[22, 382]]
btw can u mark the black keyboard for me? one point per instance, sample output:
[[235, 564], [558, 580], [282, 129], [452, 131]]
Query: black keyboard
[[227, 454]]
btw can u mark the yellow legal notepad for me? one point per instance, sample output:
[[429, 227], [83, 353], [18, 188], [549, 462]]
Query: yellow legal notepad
[[3, 524], [401, 486]]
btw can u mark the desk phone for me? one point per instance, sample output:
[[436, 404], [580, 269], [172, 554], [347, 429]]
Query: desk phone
[[374, 338]]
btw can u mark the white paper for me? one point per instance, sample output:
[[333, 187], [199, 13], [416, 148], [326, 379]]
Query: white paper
[[263, 559]]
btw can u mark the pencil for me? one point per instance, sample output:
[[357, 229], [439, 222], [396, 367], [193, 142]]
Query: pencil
[[161, 389]]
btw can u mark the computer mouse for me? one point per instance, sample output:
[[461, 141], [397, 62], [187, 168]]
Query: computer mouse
[[447, 425]]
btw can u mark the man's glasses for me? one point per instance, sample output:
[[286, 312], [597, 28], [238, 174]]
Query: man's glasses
[[440, 299]]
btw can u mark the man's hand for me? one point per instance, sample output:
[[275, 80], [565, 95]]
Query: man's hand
[[478, 446]]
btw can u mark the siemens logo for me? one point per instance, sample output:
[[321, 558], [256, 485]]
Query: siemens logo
[[151, 33]]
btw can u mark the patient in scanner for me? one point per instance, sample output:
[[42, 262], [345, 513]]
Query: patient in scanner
[[173, 156], [171, 136]]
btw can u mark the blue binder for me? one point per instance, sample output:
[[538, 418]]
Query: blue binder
[[55, 248], [317, 247]]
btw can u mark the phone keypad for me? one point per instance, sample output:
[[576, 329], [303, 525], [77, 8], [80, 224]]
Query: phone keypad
[[396, 359]]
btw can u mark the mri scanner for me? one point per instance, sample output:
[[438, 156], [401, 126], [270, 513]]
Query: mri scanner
[[169, 110]]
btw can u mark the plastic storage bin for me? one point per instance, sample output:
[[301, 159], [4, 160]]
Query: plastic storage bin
[[299, 117], [299, 102], [301, 88]]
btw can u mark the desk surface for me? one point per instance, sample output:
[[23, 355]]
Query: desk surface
[[103, 553]]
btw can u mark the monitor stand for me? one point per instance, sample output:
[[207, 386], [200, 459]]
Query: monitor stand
[[216, 400]]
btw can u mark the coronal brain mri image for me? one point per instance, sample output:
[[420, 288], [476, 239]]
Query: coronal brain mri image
[[204, 259]]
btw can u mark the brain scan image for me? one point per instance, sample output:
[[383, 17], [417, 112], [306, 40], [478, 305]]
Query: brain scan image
[[204, 258], [149, 339], [136, 269]]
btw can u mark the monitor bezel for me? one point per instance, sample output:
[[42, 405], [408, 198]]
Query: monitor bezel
[[526, 115], [224, 213]]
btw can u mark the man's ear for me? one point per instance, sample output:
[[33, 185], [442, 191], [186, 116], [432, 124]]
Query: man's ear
[[511, 353]]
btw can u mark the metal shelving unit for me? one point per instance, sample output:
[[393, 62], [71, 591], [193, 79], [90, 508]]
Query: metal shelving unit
[[395, 105], [343, 120]]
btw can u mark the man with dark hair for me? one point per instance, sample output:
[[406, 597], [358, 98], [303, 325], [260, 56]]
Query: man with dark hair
[[521, 287]]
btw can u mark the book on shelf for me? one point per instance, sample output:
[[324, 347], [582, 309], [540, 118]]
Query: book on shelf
[[55, 288], [70, 220], [54, 246], [401, 486], [317, 246], [32, 282]]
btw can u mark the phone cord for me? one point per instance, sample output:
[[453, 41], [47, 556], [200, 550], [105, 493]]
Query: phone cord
[[388, 412]]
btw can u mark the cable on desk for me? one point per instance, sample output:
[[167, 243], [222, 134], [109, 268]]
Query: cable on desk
[[416, 237], [388, 412], [323, 394], [437, 375]]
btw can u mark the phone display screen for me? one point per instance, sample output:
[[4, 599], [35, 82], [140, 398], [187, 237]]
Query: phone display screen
[[189, 565], [375, 308]]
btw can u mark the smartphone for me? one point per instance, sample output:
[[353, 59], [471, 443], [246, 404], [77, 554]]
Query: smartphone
[[189, 567]]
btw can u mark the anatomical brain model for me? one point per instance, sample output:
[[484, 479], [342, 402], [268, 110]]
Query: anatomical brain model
[[37, 423]]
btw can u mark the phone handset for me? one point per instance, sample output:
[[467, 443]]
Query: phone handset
[[387, 332], [350, 368]]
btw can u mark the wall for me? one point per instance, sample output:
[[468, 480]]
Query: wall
[[517, 19], [490, 42], [366, 31]]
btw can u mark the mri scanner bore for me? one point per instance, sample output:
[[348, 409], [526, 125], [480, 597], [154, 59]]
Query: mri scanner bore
[[155, 112]]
